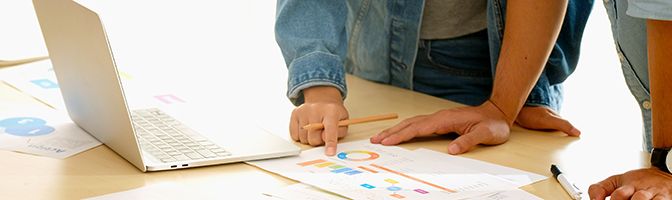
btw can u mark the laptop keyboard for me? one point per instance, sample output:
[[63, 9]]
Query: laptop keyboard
[[169, 140]]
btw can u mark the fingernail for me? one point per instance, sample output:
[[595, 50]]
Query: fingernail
[[453, 149], [331, 151], [575, 131], [385, 141]]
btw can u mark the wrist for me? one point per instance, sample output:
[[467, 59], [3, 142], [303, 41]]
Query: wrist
[[501, 111], [322, 94], [492, 107]]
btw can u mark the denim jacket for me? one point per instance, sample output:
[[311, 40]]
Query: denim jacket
[[377, 40]]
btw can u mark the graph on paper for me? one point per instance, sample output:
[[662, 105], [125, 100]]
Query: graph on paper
[[366, 171]]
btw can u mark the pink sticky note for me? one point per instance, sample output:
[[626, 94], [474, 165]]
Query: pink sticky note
[[168, 99]]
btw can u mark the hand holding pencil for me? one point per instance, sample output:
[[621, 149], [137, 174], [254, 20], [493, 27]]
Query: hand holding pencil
[[322, 119]]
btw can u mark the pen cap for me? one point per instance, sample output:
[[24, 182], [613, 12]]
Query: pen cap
[[555, 171]]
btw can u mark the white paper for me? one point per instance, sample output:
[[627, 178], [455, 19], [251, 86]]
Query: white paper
[[43, 132], [513, 194], [519, 177], [362, 170], [36, 79], [300, 191]]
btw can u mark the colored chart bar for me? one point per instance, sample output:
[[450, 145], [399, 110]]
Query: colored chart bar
[[169, 99], [393, 188], [125, 75], [353, 172], [336, 166], [367, 186], [303, 164], [398, 196], [389, 180], [45, 83], [412, 178], [371, 155], [367, 169], [421, 191], [321, 165], [341, 170]]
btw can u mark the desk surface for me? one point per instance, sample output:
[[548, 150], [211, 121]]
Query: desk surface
[[100, 171]]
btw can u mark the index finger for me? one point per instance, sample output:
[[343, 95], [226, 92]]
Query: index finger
[[604, 188], [330, 134]]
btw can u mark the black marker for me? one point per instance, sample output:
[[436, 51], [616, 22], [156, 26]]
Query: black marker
[[570, 188]]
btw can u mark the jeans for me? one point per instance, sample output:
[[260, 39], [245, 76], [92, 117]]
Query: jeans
[[456, 69], [630, 38], [461, 70]]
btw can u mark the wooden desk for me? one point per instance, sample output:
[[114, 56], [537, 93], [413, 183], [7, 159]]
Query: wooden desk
[[100, 171]]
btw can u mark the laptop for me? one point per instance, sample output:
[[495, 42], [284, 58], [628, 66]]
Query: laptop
[[149, 139]]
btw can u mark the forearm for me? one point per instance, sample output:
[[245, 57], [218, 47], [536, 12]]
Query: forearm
[[659, 34], [311, 35], [531, 30]]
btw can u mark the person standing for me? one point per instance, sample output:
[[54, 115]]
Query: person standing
[[642, 32], [506, 60]]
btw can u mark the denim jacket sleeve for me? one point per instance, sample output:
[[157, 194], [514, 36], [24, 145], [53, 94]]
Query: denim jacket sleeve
[[312, 37]]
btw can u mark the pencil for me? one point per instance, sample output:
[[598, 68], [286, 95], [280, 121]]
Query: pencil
[[317, 126]]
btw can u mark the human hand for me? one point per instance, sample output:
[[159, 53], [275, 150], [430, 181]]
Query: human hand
[[543, 118], [484, 124], [649, 183], [323, 104]]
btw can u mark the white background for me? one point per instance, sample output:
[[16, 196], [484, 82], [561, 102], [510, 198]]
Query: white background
[[222, 53]]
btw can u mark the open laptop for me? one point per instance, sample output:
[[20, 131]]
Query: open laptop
[[149, 139]]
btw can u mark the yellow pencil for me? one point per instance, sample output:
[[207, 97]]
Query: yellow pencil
[[317, 126]]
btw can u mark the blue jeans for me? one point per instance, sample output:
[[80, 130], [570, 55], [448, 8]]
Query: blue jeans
[[461, 70], [456, 69], [630, 38]]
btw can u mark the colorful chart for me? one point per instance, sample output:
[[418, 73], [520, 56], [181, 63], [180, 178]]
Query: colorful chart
[[26, 126], [332, 167], [358, 155], [394, 188]]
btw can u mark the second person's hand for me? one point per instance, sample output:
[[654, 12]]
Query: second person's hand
[[323, 104], [484, 124]]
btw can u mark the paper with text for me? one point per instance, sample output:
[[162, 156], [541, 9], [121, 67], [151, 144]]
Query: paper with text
[[43, 132]]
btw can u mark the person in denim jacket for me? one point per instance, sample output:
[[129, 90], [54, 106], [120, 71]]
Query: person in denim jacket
[[382, 41], [642, 32]]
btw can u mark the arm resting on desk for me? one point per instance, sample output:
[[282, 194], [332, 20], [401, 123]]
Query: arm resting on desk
[[531, 31]]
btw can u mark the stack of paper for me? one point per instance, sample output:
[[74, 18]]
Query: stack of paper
[[362, 170]]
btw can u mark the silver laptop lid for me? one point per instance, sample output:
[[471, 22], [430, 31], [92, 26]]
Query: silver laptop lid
[[86, 72]]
